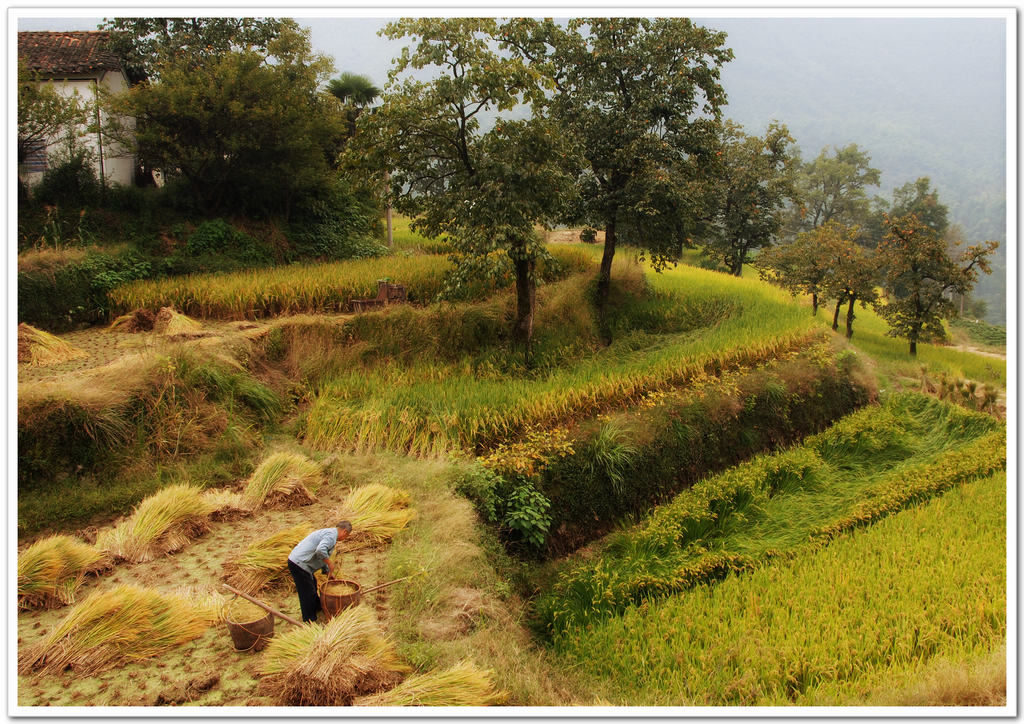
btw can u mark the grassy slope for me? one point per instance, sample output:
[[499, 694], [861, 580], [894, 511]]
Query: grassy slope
[[874, 610]]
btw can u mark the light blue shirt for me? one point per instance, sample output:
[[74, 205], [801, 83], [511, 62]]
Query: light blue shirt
[[312, 552]]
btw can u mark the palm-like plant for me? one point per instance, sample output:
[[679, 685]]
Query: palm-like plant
[[352, 88]]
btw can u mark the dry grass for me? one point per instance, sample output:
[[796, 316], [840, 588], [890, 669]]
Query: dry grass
[[39, 348], [461, 685], [952, 683], [330, 665], [377, 512], [226, 504], [164, 522], [283, 479], [51, 570], [124, 624], [171, 323], [265, 561]]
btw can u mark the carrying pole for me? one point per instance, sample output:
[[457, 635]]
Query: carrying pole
[[262, 605]]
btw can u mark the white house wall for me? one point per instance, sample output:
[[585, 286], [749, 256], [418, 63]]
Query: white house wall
[[115, 164]]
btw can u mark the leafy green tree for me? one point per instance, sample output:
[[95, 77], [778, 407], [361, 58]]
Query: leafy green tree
[[247, 131], [914, 197], [801, 267], [147, 44], [832, 187], [485, 189], [920, 275], [641, 98], [854, 273], [755, 182]]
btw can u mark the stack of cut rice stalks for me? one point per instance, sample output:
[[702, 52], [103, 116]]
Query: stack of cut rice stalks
[[330, 665], [265, 561], [460, 685], [36, 347], [51, 570], [226, 504], [171, 323], [141, 320], [377, 512], [283, 479], [122, 625], [164, 522]]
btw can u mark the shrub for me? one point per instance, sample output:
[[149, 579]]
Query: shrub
[[71, 181], [588, 235], [336, 223]]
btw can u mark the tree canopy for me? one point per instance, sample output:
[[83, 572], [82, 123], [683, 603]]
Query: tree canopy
[[640, 98], [245, 130], [920, 275], [832, 187], [44, 115], [755, 181], [484, 188], [146, 44]]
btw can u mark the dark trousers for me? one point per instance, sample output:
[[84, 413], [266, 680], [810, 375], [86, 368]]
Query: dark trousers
[[305, 585]]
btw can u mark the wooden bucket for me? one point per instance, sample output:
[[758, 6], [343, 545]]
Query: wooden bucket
[[250, 635], [336, 595]]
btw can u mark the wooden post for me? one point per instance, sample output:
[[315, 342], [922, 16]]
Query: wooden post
[[387, 214], [262, 605]]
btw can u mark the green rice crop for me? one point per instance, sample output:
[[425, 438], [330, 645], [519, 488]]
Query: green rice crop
[[870, 465], [867, 613], [427, 408]]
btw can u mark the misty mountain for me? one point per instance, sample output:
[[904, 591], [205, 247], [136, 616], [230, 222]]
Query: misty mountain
[[924, 97]]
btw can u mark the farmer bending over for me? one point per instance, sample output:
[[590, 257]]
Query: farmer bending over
[[314, 554]]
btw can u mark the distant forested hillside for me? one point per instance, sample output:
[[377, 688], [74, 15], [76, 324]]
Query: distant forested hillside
[[924, 97]]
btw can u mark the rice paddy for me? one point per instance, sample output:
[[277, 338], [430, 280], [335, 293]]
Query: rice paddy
[[818, 576]]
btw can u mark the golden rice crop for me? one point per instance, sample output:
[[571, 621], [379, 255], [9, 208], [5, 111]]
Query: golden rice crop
[[329, 665], [164, 522], [377, 512], [461, 685], [282, 476], [51, 570], [125, 624], [170, 322], [266, 560], [36, 347], [293, 289], [240, 610]]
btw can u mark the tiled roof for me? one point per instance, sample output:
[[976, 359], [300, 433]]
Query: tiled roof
[[53, 54]]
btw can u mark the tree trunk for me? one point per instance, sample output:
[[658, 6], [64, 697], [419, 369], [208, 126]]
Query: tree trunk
[[814, 303], [913, 348], [604, 280], [835, 317], [526, 295], [849, 318]]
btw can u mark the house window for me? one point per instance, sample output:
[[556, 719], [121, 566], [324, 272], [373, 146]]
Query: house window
[[35, 159]]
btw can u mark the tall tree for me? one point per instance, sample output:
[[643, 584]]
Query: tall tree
[[854, 274], [355, 92], [832, 187], [642, 99], [919, 276], [801, 267], [247, 131], [484, 188], [755, 183], [148, 43]]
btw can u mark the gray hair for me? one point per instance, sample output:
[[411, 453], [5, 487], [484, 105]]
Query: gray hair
[[344, 525]]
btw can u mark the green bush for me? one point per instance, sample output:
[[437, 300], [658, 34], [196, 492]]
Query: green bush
[[70, 182], [76, 293], [513, 504], [336, 223]]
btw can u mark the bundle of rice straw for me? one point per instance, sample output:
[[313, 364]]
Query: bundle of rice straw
[[51, 570], [461, 685], [226, 504], [164, 522], [170, 323], [207, 603], [36, 347], [265, 561], [141, 320], [125, 624], [282, 479], [331, 664], [377, 512]]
